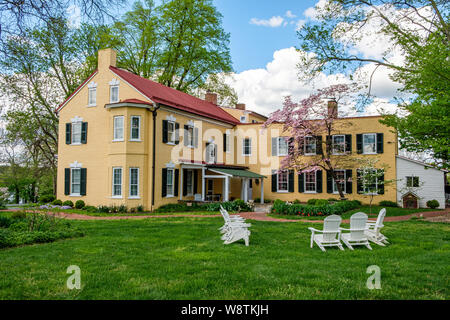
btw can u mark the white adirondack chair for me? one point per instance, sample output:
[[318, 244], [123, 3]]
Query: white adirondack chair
[[330, 235], [234, 228], [373, 229], [357, 236]]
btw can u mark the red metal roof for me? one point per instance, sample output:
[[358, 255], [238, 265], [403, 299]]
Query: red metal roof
[[174, 98]]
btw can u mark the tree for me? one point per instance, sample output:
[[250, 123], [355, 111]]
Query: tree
[[310, 117], [418, 31], [370, 178]]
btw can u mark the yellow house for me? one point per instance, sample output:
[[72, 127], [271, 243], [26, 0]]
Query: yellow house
[[128, 140]]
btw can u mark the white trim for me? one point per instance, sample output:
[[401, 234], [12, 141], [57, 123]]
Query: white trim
[[170, 165], [174, 133], [190, 123], [111, 87], [171, 118], [117, 196], [129, 184], [71, 182], [92, 84], [278, 147], [72, 135], [92, 89], [76, 164], [315, 182], [138, 139], [76, 119], [364, 134], [195, 116], [114, 82], [287, 182]]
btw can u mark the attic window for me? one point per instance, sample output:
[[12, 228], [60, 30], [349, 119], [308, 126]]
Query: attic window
[[114, 91], [243, 119]]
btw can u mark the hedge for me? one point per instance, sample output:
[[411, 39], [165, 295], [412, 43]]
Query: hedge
[[338, 208]]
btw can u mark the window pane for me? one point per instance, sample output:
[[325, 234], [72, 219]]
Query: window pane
[[282, 146], [135, 126], [171, 132], [310, 145], [338, 144], [117, 181], [283, 181], [76, 132], [114, 94], [92, 96], [369, 145], [118, 128], [340, 179], [310, 181], [76, 179]]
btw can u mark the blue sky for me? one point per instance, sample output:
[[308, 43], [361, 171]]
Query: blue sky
[[252, 46]]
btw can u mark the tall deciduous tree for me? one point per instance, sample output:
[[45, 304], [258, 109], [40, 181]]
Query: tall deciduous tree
[[419, 31]]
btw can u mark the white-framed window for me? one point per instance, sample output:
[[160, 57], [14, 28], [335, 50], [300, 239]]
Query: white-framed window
[[114, 93], [227, 142], [211, 153], [171, 132], [76, 132], [310, 181], [118, 128], [75, 181], [243, 119], [190, 182], [135, 128], [282, 146], [310, 146], [170, 186], [134, 182], [117, 182], [283, 181], [340, 174], [190, 136], [92, 97], [412, 182], [247, 147], [338, 144], [369, 143]]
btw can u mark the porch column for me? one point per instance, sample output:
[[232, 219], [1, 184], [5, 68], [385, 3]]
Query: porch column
[[181, 182], [227, 188], [262, 191], [203, 183], [245, 186]]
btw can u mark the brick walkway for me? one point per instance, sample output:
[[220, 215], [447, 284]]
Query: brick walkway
[[259, 216]]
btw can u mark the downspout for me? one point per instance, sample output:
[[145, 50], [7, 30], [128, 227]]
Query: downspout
[[154, 112]]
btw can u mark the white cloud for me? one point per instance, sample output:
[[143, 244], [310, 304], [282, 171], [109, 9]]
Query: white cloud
[[263, 90], [290, 15], [299, 24], [273, 22]]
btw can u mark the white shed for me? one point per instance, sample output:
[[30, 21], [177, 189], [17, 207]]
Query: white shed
[[421, 179]]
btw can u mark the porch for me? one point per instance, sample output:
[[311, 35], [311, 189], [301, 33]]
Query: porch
[[209, 183]]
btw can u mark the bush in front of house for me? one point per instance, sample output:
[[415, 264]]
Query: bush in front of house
[[47, 198], [79, 204], [68, 203], [35, 228], [338, 208], [236, 205], [90, 209], [57, 202], [311, 202], [387, 203], [433, 204], [181, 207]]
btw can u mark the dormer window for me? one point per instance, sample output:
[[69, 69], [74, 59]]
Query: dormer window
[[114, 91], [243, 119]]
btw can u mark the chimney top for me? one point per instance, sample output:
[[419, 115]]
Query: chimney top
[[332, 108], [211, 97], [240, 106], [106, 58]]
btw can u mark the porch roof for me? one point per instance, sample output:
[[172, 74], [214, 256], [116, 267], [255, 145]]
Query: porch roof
[[238, 173]]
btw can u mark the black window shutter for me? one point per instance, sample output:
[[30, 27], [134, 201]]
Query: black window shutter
[[177, 133], [184, 182], [348, 143], [177, 173], [83, 181], [359, 143], [68, 133], [274, 182], [381, 186], [359, 185], [301, 182], [195, 180], [224, 142], [291, 180], [165, 134], [348, 184], [186, 142], [164, 182], [84, 127], [379, 143], [319, 145], [67, 181], [329, 182], [319, 181]]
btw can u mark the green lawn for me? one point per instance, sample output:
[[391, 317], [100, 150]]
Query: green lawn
[[390, 212], [183, 258]]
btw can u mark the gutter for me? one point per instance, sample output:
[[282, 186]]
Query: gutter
[[154, 112]]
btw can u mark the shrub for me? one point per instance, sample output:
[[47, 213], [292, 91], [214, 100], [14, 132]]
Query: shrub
[[90, 208], [314, 210], [68, 203], [321, 202], [19, 215], [80, 204], [57, 202], [103, 209], [433, 204], [47, 198], [312, 202], [5, 222], [358, 202], [386, 203], [140, 208], [332, 199]]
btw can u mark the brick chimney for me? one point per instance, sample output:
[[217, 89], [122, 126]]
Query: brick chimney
[[106, 58], [211, 97], [240, 106], [332, 108]]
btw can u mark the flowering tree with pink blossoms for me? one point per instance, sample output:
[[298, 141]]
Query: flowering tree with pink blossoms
[[314, 118]]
